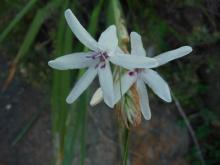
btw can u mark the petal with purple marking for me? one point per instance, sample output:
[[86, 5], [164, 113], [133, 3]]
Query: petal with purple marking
[[124, 84], [106, 83], [72, 61]]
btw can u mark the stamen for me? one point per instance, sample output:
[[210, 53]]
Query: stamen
[[102, 56], [102, 66]]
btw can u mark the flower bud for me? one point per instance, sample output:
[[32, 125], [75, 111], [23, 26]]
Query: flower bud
[[128, 109]]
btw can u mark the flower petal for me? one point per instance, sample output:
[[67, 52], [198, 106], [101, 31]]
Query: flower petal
[[106, 83], [97, 97], [121, 87], [72, 61], [80, 31], [137, 48], [81, 85], [157, 84], [119, 50], [173, 54], [130, 62], [144, 100], [108, 41]]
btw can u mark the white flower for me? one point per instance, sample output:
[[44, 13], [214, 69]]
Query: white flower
[[97, 60], [146, 76]]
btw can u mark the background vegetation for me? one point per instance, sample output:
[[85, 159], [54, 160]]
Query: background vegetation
[[36, 122]]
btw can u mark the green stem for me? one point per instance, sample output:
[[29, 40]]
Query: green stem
[[126, 142]]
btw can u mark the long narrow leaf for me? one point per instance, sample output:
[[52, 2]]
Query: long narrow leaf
[[33, 30], [17, 18], [116, 17], [76, 124], [61, 87], [40, 17]]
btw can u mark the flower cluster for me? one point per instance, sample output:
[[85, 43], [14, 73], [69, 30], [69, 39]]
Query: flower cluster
[[105, 52]]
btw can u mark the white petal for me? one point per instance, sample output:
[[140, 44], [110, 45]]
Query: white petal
[[144, 100], [106, 83], [97, 97], [79, 31], [81, 85], [137, 48], [121, 87], [130, 62], [119, 50], [157, 84], [173, 54], [72, 61], [108, 41]]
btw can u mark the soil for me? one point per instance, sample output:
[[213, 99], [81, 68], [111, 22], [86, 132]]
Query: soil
[[18, 105]]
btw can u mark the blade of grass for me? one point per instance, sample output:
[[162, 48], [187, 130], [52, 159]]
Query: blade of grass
[[83, 108], [17, 18], [126, 142], [92, 30], [29, 125], [93, 23], [76, 127], [191, 131], [73, 128], [61, 87], [115, 15], [40, 17], [33, 30]]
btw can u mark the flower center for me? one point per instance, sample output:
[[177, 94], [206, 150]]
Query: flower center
[[101, 56]]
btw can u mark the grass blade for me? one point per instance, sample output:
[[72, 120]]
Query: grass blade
[[61, 87], [25, 130], [34, 28], [16, 20], [76, 123], [126, 141], [115, 15]]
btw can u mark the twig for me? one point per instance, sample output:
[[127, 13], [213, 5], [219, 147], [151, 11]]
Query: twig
[[191, 131]]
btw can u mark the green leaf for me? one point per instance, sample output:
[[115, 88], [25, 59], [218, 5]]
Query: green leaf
[[17, 18], [40, 17]]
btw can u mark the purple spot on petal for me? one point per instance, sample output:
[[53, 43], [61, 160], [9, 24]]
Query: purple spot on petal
[[131, 73]]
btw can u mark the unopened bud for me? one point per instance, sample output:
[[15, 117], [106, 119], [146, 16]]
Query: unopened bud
[[128, 109], [97, 97]]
